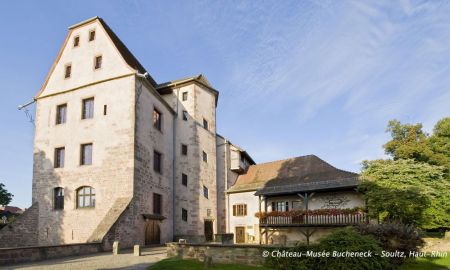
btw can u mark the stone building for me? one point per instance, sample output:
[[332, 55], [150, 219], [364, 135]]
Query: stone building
[[118, 156]]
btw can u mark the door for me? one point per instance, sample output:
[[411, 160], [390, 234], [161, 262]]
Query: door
[[152, 233], [240, 235], [209, 230]]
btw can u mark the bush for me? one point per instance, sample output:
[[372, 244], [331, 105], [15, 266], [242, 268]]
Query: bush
[[341, 240], [394, 237]]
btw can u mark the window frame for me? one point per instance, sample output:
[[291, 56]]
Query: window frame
[[184, 179], [204, 157], [184, 214], [157, 122], [240, 210], [90, 114], [157, 204], [184, 96], [205, 192], [83, 155], [58, 200], [68, 71], [58, 114], [91, 195], [90, 35], [96, 66], [77, 43], [58, 162], [205, 124], [184, 149], [157, 167], [185, 115]]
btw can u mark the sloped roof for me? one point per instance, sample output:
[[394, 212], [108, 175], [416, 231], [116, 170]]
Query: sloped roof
[[293, 175]]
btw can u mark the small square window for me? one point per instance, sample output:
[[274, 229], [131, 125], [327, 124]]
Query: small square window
[[157, 119], [76, 41], [86, 154], [205, 124], [185, 115], [205, 192], [185, 96], [88, 108], [98, 62], [157, 161], [61, 111], [184, 179], [59, 157], [184, 214], [205, 157], [184, 149], [91, 35], [68, 71]]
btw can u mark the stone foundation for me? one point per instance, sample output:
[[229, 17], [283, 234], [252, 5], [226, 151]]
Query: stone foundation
[[239, 254], [31, 254]]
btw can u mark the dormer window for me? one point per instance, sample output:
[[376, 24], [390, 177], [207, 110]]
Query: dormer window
[[91, 35], [98, 62], [68, 71], [76, 41]]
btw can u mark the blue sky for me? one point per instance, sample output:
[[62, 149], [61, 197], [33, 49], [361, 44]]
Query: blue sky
[[295, 78]]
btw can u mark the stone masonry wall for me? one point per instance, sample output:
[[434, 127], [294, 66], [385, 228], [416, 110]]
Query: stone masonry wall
[[30, 254], [22, 232], [239, 254]]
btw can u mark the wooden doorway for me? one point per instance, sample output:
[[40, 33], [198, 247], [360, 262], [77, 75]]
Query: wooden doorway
[[152, 233], [240, 235], [209, 231]]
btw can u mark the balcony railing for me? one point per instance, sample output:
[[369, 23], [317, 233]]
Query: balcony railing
[[320, 220]]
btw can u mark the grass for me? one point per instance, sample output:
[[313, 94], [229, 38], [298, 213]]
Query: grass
[[428, 263], [178, 264]]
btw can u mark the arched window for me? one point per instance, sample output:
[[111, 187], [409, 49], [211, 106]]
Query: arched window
[[58, 198], [85, 197]]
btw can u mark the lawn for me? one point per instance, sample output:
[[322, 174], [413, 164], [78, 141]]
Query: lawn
[[178, 264], [428, 263]]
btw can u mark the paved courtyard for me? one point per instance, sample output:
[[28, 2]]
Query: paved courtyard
[[103, 260]]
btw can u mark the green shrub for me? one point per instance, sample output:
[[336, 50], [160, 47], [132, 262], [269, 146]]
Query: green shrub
[[394, 237], [341, 240]]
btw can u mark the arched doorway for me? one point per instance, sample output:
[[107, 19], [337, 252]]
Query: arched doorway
[[152, 233]]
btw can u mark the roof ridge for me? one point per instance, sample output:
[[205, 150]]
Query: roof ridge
[[286, 159]]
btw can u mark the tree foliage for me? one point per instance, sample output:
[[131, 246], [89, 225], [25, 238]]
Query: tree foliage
[[407, 191], [5, 196], [411, 142]]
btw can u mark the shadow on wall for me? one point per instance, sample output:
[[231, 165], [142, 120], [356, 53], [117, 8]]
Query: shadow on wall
[[41, 224]]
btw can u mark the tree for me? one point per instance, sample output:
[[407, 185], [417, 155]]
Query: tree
[[5, 196], [406, 191], [411, 142]]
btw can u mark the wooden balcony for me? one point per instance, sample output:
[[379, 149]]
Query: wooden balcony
[[314, 220]]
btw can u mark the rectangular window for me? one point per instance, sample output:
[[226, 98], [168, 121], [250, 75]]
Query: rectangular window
[[76, 41], [208, 212], [157, 204], [280, 206], [105, 109], [184, 214], [91, 35], [205, 124], [184, 149], [157, 161], [86, 154], [185, 115], [61, 111], [157, 119], [205, 157], [59, 157], [68, 71], [184, 179], [88, 108], [205, 192], [98, 62], [185, 96], [239, 210], [58, 198]]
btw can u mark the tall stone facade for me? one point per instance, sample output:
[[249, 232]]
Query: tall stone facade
[[150, 174]]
